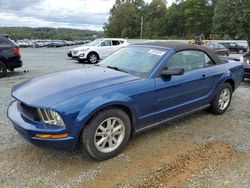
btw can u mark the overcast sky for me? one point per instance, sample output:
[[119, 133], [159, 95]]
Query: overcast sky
[[79, 14]]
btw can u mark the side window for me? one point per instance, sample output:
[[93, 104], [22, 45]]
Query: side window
[[208, 61], [121, 41], [221, 46], [233, 44], [106, 43], [211, 46], [3, 41], [115, 42], [189, 60], [216, 46]]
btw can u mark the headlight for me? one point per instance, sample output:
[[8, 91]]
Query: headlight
[[50, 117], [241, 59]]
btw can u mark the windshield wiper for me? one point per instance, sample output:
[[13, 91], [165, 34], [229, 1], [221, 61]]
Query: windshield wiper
[[116, 68]]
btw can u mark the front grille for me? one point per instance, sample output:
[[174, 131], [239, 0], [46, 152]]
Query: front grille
[[247, 70], [28, 112]]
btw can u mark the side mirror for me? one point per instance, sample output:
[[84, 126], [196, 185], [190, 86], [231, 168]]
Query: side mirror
[[171, 71]]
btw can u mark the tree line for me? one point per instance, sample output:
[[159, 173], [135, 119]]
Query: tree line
[[48, 33], [216, 19]]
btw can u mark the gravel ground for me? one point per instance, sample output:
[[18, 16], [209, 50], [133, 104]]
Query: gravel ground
[[201, 150]]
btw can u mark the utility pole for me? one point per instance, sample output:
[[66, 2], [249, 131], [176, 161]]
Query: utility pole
[[142, 27]]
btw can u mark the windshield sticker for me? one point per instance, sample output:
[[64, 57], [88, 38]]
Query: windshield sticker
[[156, 52]]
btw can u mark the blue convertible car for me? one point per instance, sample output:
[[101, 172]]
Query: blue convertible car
[[136, 88]]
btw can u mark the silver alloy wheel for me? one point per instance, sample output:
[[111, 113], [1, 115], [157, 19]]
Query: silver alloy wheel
[[241, 51], [224, 99], [93, 58], [109, 134]]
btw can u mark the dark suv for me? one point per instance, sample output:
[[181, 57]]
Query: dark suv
[[234, 47], [9, 56]]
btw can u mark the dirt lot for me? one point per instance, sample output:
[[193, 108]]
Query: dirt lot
[[201, 150]]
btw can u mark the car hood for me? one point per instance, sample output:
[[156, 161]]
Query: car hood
[[79, 48], [49, 90]]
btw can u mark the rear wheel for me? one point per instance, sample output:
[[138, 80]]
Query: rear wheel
[[3, 69], [92, 58], [222, 99], [241, 51], [106, 134]]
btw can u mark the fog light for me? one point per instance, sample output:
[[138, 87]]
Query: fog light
[[64, 135]]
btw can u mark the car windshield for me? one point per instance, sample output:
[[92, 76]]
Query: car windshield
[[95, 42], [134, 60]]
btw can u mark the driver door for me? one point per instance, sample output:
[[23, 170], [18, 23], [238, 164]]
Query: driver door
[[180, 94], [105, 49]]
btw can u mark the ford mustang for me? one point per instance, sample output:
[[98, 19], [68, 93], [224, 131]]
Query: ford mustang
[[136, 88]]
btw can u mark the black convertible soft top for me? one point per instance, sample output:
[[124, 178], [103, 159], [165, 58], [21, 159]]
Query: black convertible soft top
[[180, 46]]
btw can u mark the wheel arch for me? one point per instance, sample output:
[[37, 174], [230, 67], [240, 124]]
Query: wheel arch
[[100, 103], [231, 82], [122, 107], [94, 53]]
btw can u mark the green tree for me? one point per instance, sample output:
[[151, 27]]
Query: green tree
[[229, 18], [155, 19], [175, 20], [246, 18], [124, 19]]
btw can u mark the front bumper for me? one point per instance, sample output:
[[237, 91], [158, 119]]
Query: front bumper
[[82, 56], [29, 128], [246, 65]]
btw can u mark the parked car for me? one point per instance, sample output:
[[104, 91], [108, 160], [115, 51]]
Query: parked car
[[9, 56], [56, 44], [219, 49], [234, 47], [97, 49], [25, 44], [134, 89]]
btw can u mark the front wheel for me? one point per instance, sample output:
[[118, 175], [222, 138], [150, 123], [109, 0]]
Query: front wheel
[[106, 134], [241, 51], [222, 99], [92, 58]]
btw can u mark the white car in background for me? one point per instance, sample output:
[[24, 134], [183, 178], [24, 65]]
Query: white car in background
[[97, 49]]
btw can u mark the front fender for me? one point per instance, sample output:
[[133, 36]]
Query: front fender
[[100, 102]]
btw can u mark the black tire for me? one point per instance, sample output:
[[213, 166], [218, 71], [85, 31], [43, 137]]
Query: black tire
[[88, 138], [92, 58], [214, 108], [3, 69]]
